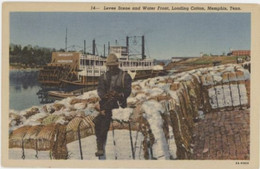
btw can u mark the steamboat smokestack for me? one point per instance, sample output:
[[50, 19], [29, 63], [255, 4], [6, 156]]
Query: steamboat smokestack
[[108, 47], [143, 52], [84, 52], [104, 50], [127, 47], [66, 40], [93, 47]]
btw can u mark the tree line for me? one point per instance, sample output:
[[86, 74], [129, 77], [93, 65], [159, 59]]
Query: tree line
[[29, 56]]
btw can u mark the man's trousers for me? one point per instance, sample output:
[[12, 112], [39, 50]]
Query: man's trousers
[[102, 123]]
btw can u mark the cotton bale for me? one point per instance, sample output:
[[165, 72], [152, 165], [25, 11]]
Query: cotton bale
[[195, 95], [86, 127], [77, 100], [156, 91], [33, 131], [73, 124], [44, 108], [188, 101], [46, 137], [141, 96], [137, 112], [93, 100], [50, 119], [15, 119], [232, 76], [182, 132], [58, 106], [163, 97], [247, 83], [185, 108], [140, 92], [203, 80], [175, 86], [169, 80], [131, 101], [172, 104], [80, 106], [17, 136], [225, 77], [59, 149], [71, 114], [88, 122], [240, 75], [208, 80], [31, 136], [31, 112], [136, 87]]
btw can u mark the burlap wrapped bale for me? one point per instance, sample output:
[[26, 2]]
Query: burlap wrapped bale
[[191, 107], [31, 112], [182, 134], [30, 139], [149, 139], [16, 119], [46, 137], [58, 106], [175, 86], [93, 100], [240, 75], [77, 100], [205, 96], [45, 109], [50, 119], [247, 83], [194, 101], [84, 125], [169, 80], [59, 149], [225, 77], [16, 137], [187, 117], [232, 76], [209, 79]]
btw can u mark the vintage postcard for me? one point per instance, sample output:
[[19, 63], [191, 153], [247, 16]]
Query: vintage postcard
[[130, 85]]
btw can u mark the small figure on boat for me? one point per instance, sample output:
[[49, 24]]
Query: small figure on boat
[[114, 87]]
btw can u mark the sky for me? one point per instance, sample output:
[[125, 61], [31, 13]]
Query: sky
[[166, 34]]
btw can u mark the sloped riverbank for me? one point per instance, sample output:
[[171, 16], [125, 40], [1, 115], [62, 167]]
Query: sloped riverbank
[[164, 110]]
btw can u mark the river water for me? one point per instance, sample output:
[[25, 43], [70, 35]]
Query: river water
[[23, 89]]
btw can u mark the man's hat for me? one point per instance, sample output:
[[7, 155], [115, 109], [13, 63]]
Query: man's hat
[[112, 60]]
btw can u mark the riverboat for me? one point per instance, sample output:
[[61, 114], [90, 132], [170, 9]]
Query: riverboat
[[77, 69]]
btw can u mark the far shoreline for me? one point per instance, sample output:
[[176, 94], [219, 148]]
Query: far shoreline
[[12, 67]]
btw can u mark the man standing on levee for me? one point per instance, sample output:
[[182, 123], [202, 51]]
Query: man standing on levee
[[114, 87]]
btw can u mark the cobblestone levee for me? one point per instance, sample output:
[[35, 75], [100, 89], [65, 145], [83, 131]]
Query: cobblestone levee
[[223, 135]]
